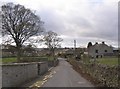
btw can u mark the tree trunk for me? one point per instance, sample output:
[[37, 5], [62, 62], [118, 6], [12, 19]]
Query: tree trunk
[[53, 53], [18, 54]]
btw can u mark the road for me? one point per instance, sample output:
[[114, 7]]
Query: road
[[66, 76]]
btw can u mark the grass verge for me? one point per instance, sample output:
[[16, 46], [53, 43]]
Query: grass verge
[[110, 61]]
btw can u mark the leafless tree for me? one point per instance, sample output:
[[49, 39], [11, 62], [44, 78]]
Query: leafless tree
[[20, 24], [52, 41], [89, 44]]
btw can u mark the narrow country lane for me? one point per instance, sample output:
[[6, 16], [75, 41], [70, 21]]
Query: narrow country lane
[[65, 76]]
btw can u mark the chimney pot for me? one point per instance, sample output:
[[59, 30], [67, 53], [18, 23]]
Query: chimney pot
[[103, 42]]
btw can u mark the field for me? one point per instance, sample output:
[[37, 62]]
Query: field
[[108, 61], [8, 60], [27, 59]]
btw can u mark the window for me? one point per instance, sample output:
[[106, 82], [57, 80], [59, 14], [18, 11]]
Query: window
[[96, 51], [96, 56], [105, 51]]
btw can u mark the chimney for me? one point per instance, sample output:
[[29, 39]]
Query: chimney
[[96, 42], [103, 42]]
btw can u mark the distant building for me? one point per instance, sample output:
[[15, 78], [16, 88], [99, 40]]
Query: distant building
[[69, 51], [116, 51], [100, 50], [8, 50]]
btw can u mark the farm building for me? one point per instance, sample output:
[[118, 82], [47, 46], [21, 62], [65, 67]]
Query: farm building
[[100, 50]]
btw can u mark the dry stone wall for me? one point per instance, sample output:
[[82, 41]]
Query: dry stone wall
[[107, 75], [15, 74]]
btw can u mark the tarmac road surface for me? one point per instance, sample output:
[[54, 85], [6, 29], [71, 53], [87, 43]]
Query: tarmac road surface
[[66, 76]]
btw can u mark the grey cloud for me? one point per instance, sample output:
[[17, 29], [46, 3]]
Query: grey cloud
[[52, 19], [103, 25], [81, 22], [85, 22]]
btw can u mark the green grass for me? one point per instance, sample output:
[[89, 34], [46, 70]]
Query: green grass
[[108, 61], [26, 59], [50, 58], [9, 60]]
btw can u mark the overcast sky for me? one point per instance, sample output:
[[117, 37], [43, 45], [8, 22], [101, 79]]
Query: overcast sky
[[82, 20]]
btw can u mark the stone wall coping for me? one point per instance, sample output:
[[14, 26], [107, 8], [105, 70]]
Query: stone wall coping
[[20, 64]]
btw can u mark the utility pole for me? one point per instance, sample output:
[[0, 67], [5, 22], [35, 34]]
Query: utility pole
[[74, 43], [75, 48]]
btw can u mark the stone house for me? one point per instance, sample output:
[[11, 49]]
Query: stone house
[[100, 50], [116, 51]]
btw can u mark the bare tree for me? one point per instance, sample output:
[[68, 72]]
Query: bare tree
[[89, 44], [20, 24], [52, 41]]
